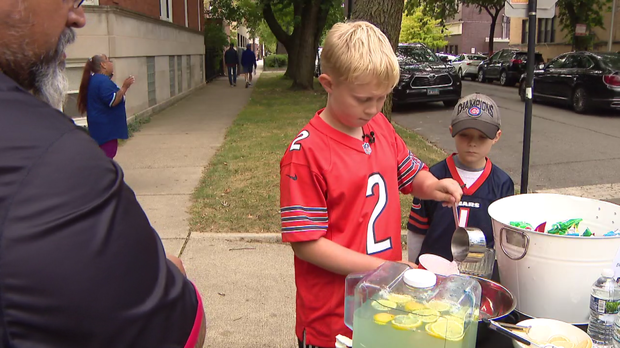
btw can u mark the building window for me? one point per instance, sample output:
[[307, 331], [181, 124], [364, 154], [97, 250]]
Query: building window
[[546, 30], [165, 10], [171, 69], [189, 72], [91, 2], [150, 76], [70, 106], [524, 31], [456, 49], [180, 72]]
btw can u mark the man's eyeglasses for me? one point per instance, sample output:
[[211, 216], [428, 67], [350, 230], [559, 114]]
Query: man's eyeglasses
[[77, 3]]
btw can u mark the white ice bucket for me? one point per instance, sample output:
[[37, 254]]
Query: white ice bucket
[[551, 275]]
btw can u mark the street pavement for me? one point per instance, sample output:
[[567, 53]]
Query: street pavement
[[570, 153]]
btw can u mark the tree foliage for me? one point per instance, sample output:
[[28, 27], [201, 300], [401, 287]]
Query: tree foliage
[[588, 12], [216, 39], [417, 27]]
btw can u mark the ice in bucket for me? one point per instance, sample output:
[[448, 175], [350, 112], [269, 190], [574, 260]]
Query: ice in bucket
[[396, 306]]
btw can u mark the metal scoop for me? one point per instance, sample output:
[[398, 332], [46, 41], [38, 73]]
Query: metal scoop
[[495, 326], [468, 243]]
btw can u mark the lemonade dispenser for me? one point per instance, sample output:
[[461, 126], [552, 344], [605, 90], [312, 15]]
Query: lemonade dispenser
[[399, 307]]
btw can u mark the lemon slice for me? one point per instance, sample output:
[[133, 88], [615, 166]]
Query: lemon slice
[[398, 298], [383, 318], [429, 330], [582, 344], [383, 305], [438, 306], [427, 315], [412, 306], [448, 329], [564, 344], [406, 322]]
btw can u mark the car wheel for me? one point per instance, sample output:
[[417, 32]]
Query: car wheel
[[522, 91], [581, 101], [450, 103], [461, 73], [481, 77], [503, 79]]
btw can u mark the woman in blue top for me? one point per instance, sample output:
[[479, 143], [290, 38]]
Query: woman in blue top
[[248, 61], [104, 103]]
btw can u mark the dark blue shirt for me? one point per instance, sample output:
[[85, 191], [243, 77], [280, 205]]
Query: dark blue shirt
[[248, 58], [430, 218], [105, 122]]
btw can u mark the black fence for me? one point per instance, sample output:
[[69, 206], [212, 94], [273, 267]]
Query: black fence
[[213, 68]]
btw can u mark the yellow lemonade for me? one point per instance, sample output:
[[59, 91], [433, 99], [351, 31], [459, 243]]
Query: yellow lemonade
[[412, 325]]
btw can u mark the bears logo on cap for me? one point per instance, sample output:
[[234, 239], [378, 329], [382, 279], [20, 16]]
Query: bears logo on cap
[[474, 111]]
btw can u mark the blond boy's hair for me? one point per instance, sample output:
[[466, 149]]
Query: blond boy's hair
[[359, 52]]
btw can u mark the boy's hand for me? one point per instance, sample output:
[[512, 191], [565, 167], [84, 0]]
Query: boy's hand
[[448, 191]]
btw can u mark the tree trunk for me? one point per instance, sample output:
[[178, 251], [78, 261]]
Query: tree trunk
[[387, 16], [289, 41], [492, 32]]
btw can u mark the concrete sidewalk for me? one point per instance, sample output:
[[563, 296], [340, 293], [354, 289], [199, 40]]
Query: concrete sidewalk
[[246, 281]]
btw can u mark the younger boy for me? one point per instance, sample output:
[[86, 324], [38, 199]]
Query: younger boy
[[340, 181], [475, 129]]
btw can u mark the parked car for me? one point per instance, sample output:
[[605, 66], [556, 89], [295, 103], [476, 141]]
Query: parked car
[[506, 65], [445, 57], [466, 65], [424, 77], [583, 80]]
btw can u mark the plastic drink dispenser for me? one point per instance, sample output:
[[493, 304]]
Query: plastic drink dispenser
[[399, 307]]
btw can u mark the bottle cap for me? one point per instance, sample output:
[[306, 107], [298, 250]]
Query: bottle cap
[[420, 278], [607, 273]]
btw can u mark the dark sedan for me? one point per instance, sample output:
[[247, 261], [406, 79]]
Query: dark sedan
[[425, 78], [582, 80], [505, 65]]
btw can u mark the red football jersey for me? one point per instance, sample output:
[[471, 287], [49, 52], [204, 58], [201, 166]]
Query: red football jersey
[[346, 190]]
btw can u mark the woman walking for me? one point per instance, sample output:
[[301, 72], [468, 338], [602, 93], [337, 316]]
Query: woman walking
[[104, 103]]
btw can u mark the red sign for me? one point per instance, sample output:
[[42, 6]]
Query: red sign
[[580, 30]]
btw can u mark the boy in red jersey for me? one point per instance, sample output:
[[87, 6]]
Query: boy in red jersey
[[340, 180]]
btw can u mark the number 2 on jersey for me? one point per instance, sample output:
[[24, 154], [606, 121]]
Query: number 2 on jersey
[[303, 135], [372, 245]]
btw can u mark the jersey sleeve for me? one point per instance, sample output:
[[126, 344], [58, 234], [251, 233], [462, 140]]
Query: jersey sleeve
[[303, 205], [107, 92], [508, 188], [78, 248], [418, 217], [408, 166]]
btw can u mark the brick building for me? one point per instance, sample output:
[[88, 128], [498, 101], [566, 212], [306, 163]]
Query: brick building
[[468, 31], [160, 42]]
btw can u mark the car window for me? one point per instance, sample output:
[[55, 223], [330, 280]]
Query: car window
[[580, 61], [558, 63], [611, 60], [571, 62], [473, 57], [415, 54], [506, 55], [495, 57]]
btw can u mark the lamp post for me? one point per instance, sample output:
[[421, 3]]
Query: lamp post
[[611, 28]]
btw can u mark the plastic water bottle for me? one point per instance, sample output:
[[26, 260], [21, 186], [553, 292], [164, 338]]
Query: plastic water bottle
[[617, 331], [604, 303]]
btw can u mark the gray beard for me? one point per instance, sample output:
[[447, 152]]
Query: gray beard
[[42, 74], [51, 84]]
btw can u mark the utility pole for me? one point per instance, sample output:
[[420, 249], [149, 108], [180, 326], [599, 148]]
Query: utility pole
[[531, 61], [611, 29]]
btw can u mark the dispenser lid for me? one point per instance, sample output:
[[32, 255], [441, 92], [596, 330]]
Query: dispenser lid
[[607, 273], [420, 278]]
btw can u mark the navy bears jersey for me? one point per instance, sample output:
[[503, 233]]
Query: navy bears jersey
[[436, 222]]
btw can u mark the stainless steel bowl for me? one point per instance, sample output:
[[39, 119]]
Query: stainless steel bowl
[[496, 301]]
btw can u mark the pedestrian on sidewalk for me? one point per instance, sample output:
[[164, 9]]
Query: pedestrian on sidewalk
[[80, 264], [340, 181], [248, 61], [104, 103], [231, 58]]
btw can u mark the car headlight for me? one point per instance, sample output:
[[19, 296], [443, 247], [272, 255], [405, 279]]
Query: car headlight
[[452, 69]]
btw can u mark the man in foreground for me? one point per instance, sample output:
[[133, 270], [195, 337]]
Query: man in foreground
[[80, 265]]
